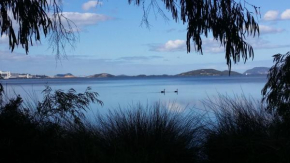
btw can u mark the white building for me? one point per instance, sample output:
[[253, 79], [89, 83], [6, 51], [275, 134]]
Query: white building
[[5, 74], [24, 76]]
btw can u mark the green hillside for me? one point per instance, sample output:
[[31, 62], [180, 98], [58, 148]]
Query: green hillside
[[207, 72]]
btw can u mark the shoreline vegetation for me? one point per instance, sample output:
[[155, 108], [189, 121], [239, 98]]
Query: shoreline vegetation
[[237, 129], [199, 72], [230, 130]]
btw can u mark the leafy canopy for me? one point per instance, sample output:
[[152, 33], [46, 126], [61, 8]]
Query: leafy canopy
[[59, 105], [24, 22], [228, 22], [276, 92]]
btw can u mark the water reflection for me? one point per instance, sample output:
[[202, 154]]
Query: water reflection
[[184, 92]]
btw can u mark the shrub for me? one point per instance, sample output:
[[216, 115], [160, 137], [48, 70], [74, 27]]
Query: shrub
[[242, 131], [151, 134], [276, 91], [46, 134], [65, 107]]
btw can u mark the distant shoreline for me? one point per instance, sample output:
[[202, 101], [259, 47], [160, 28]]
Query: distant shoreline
[[256, 71], [155, 76]]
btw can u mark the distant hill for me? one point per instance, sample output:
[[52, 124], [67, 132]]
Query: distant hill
[[102, 75], [257, 71], [67, 75], [163, 75], [122, 75], [208, 72], [141, 75], [41, 76]]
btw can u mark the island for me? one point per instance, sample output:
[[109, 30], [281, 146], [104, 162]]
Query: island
[[67, 75], [257, 71], [199, 72], [208, 72], [102, 75]]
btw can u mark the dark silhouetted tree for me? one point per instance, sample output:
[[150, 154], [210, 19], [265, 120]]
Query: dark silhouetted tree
[[228, 21], [61, 106], [24, 22], [276, 92]]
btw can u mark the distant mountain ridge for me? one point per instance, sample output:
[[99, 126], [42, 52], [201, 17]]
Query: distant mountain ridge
[[102, 75], [67, 75], [257, 71], [199, 72], [208, 72]]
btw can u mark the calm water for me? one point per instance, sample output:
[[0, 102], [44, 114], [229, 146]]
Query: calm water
[[115, 92]]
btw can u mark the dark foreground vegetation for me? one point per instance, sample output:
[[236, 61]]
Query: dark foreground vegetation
[[231, 130]]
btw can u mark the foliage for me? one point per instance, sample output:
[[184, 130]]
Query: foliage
[[276, 91], [1, 93], [17, 130], [239, 130], [52, 132], [24, 138], [242, 131], [23, 22], [140, 135], [151, 134], [12, 110], [228, 21], [61, 106]]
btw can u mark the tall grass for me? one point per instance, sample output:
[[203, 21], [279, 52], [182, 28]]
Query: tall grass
[[43, 132], [235, 130], [151, 134], [139, 134], [241, 131]]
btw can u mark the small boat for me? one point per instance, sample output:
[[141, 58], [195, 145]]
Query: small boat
[[176, 91], [163, 91]]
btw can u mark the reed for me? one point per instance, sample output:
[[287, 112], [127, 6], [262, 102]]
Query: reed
[[232, 130], [241, 130], [151, 134]]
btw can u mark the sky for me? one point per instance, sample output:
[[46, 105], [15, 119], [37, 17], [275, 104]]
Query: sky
[[112, 39]]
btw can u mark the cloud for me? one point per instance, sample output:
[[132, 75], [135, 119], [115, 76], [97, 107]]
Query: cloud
[[51, 2], [274, 15], [4, 39], [84, 19], [259, 43], [208, 45], [267, 29], [90, 4], [47, 64], [212, 46], [169, 46], [271, 15], [139, 58], [286, 14], [14, 57]]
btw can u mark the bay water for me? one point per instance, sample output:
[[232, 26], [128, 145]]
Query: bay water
[[123, 92]]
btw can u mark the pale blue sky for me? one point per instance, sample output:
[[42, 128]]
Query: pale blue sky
[[112, 41]]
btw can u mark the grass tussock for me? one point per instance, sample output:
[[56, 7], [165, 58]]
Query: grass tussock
[[151, 134], [235, 130], [241, 131]]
